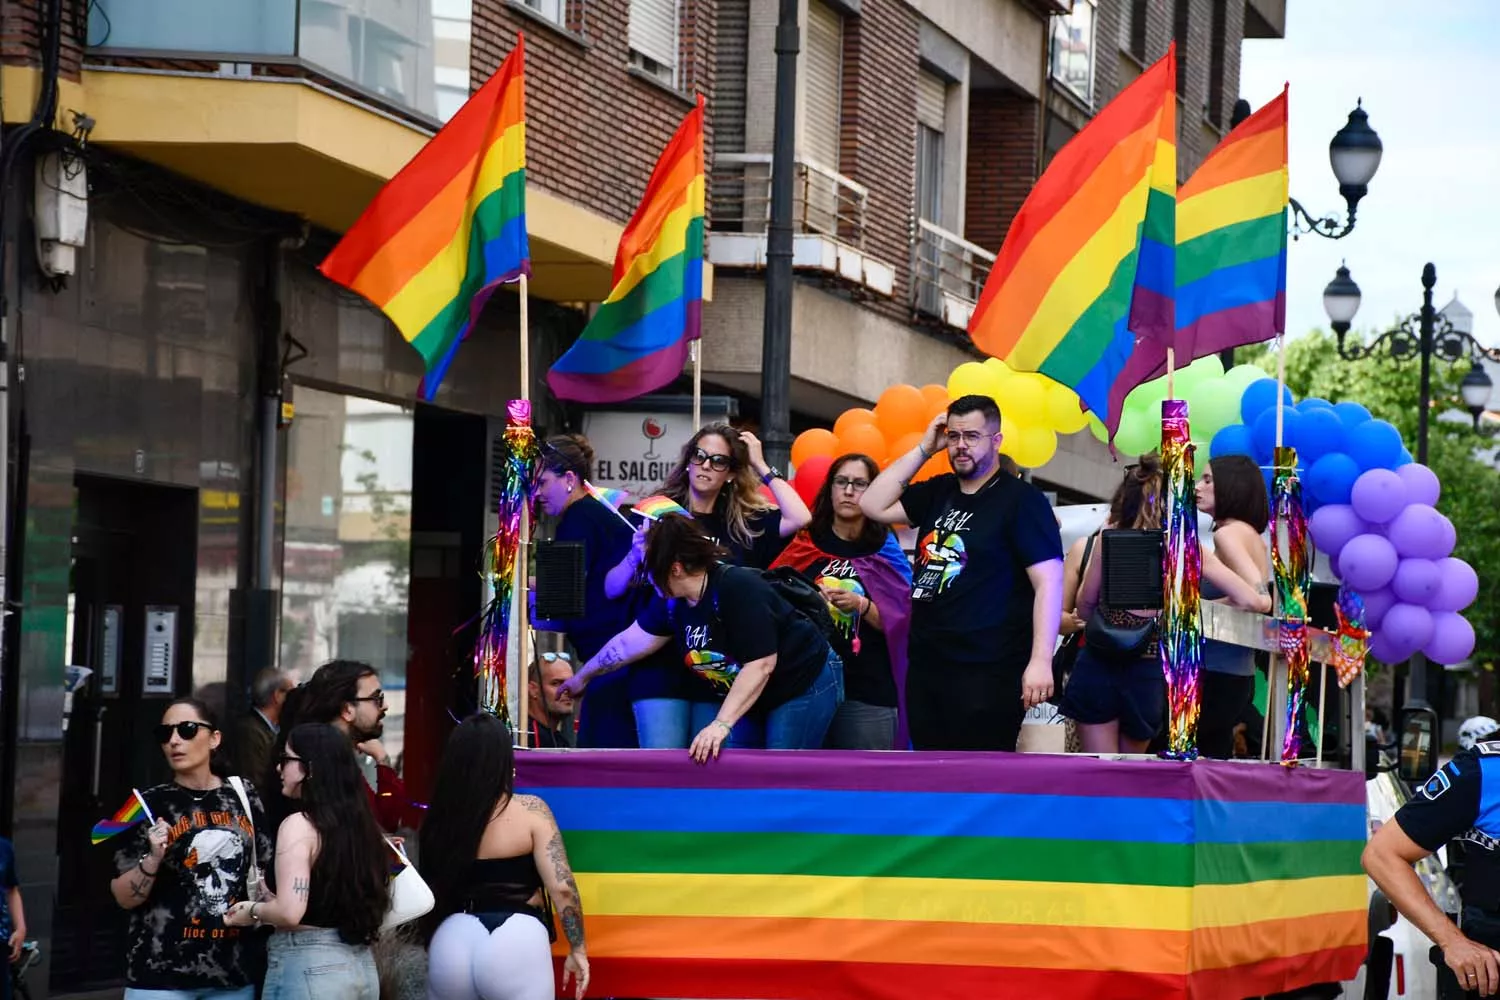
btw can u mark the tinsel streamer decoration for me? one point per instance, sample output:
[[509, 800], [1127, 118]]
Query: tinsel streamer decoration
[[1182, 569], [1353, 639], [518, 481], [1291, 563]]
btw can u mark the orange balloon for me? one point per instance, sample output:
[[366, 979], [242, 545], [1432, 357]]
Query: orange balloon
[[852, 418], [900, 446], [865, 439], [901, 410], [937, 399], [812, 443], [937, 465]]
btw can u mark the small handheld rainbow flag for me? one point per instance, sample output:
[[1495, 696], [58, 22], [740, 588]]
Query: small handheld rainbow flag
[[610, 498], [132, 812], [658, 507]]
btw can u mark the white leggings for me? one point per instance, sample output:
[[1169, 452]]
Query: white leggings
[[467, 962]]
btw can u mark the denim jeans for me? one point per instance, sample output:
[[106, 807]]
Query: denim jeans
[[663, 723], [801, 724], [207, 993], [315, 965], [748, 733], [858, 725]]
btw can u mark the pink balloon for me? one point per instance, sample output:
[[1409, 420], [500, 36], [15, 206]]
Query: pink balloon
[[1368, 562], [1458, 585], [1422, 484], [1333, 525], [1416, 581], [1378, 495], [1452, 639]]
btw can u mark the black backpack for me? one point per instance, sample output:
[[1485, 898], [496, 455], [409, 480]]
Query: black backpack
[[805, 599]]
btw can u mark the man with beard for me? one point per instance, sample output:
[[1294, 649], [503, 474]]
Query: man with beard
[[548, 706], [987, 589], [346, 694]]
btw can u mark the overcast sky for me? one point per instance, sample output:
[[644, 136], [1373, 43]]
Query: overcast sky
[[1427, 74]]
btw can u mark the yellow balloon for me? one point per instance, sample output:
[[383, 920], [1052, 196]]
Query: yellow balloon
[[1025, 399], [1031, 447], [1064, 414], [999, 370], [971, 379]]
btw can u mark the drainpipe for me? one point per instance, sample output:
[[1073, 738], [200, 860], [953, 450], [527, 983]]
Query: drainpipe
[[776, 348]]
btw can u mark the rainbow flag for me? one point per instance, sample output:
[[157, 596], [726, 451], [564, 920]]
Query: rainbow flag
[[132, 812], [658, 507], [450, 227], [886, 876], [638, 340], [1063, 297], [606, 495]]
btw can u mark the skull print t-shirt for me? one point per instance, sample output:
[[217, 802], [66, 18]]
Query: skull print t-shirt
[[178, 939]]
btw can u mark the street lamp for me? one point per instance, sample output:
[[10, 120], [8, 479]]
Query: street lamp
[[1354, 154], [1476, 388]]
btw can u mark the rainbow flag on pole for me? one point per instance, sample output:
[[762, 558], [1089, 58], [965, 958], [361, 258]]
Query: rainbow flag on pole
[[450, 227], [132, 812], [1087, 264], [886, 876], [638, 341]]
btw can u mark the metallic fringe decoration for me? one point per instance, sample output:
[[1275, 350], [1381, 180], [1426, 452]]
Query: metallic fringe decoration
[[1182, 569], [518, 482], [1291, 567], [1353, 640]]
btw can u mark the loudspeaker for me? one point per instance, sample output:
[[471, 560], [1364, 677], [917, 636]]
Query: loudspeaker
[[559, 580], [1131, 569]]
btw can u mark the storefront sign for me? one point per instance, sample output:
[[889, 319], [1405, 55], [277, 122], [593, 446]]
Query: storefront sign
[[634, 450]]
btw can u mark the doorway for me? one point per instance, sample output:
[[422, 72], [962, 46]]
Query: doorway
[[130, 625]]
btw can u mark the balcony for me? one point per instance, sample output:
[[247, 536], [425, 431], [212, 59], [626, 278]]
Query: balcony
[[410, 55], [828, 221], [948, 274]]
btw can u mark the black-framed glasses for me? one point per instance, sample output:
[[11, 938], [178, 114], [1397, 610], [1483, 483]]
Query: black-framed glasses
[[378, 698], [716, 462], [845, 483], [186, 731], [286, 759]]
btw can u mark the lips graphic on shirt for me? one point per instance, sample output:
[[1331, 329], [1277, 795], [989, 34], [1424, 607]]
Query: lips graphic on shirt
[[716, 667], [947, 551], [844, 620]]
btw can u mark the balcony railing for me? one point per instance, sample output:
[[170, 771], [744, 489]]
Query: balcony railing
[[828, 220], [410, 54], [948, 274]]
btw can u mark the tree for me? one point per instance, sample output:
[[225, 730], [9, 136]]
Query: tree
[[1471, 486]]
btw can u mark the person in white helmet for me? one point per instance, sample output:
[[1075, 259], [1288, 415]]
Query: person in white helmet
[[1477, 730]]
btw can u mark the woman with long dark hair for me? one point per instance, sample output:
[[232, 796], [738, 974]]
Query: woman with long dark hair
[[492, 858], [865, 577], [185, 870], [777, 679], [332, 876]]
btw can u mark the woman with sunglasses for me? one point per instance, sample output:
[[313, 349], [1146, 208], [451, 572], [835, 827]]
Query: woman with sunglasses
[[332, 877], [866, 578], [179, 875]]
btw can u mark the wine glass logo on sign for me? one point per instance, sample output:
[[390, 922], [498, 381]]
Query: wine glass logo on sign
[[654, 431]]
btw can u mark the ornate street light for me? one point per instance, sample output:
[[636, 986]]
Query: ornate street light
[[1354, 154], [1476, 388]]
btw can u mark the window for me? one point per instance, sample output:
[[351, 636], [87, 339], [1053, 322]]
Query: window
[[552, 10], [932, 101], [1133, 28], [1217, 113], [1073, 51], [824, 47], [653, 38]]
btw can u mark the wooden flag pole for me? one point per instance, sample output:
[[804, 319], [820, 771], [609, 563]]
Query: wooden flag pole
[[1171, 370], [523, 581], [697, 385]]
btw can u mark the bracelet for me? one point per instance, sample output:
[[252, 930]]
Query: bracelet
[[141, 864], [253, 917], [727, 727]]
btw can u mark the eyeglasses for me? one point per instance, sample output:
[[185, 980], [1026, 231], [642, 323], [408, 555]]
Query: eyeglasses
[[185, 730], [378, 698], [554, 657], [970, 438], [286, 759], [845, 483], [716, 462]]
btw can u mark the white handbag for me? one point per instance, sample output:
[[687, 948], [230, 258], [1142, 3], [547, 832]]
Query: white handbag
[[411, 897], [253, 877]]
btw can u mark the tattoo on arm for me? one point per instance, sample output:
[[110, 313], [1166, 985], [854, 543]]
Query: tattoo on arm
[[300, 887], [611, 655], [572, 908], [140, 887]]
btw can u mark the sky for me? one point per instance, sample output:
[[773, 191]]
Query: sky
[[1426, 74]]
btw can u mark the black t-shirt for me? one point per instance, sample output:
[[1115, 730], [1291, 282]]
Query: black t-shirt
[[178, 940], [972, 553], [739, 620], [1462, 801], [606, 539], [867, 674], [762, 551]]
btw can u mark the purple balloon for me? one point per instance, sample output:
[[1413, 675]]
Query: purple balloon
[[1333, 525], [1408, 625], [1377, 604], [1386, 649], [1378, 495], [1458, 586], [1416, 581], [1368, 562], [1422, 484], [1420, 532], [1452, 639]]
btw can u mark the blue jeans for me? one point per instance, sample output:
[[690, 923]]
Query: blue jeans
[[748, 733], [207, 993], [801, 724], [315, 965], [858, 725], [663, 723]]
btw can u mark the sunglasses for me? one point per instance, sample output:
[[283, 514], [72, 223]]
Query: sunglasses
[[186, 731], [554, 657], [716, 462]]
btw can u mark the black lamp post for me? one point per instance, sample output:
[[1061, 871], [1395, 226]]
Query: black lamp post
[[1354, 155]]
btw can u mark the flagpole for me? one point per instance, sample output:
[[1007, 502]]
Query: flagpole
[[523, 567], [1171, 369], [697, 385]]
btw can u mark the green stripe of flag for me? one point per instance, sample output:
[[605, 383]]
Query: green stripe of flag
[[661, 287], [1240, 243]]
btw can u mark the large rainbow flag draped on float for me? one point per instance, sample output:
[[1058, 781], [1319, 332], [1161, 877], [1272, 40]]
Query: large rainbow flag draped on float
[[1089, 257], [448, 229], [639, 339], [878, 876]]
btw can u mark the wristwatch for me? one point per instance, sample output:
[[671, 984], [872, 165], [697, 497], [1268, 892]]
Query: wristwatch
[[771, 473]]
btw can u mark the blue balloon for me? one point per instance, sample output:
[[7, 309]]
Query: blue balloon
[[1375, 444], [1313, 403], [1352, 414], [1232, 440], [1405, 459], [1259, 396], [1320, 433], [1331, 478], [1263, 432]]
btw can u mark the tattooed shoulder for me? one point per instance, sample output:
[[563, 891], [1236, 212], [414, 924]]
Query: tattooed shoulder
[[533, 803]]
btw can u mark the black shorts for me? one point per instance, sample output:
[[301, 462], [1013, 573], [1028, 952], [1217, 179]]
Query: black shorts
[[964, 706], [1134, 693]]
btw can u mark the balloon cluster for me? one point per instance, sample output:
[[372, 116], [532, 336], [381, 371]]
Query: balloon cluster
[[1212, 395], [1391, 546]]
